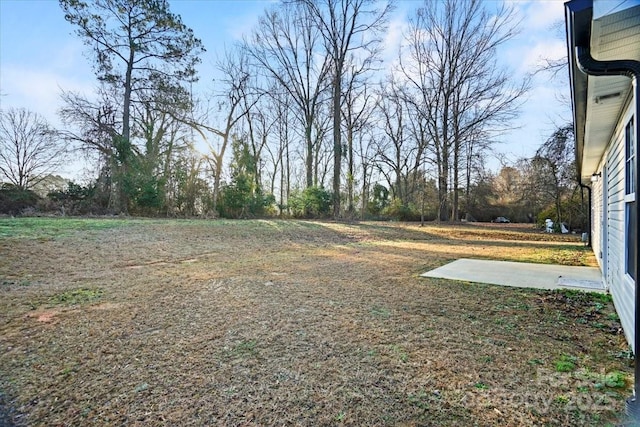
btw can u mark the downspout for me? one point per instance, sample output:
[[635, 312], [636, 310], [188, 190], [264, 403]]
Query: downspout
[[590, 207], [630, 69]]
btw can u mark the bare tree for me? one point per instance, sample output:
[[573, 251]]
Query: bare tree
[[476, 148], [91, 125], [323, 150], [91, 128], [281, 153], [404, 140], [356, 113], [395, 149], [555, 166], [232, 102], [286, 45], [30, 149], [260, 123], [451, 62], [349, 27], [417, 132], [187, 190], [365, 149]]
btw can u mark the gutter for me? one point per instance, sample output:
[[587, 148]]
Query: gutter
[[631, 69], [588, 188]]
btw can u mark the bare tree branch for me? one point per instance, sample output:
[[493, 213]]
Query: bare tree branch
[[30, 149]]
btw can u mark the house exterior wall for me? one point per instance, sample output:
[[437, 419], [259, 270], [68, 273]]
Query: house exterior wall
[[607, 7], [603, 42], [608, 216], [597, 221]]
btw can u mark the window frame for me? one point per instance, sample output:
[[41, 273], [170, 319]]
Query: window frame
[[630, 205]]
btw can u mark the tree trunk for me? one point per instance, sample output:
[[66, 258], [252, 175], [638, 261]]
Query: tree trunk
[[316, 160], [124, 146], [443, 190], [350, 177], [288, 175], [365, 192], [337, 142], [456, 179], [217, 175], [468, 178], [309, 142]]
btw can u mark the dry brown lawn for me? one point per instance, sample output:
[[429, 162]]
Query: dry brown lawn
[[266, 322]]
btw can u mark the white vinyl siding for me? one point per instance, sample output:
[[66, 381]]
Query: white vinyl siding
[[618, 282]]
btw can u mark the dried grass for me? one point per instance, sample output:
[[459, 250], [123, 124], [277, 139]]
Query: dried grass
[[297, 323]]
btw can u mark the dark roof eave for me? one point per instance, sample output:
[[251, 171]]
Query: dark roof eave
[[578, 17]]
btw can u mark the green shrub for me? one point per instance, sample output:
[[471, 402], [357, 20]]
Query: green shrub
[[572, 210], [145, 193], [379, 200], [241, 199], [14, 201], [78, 199], [312, 202], [401, 212]]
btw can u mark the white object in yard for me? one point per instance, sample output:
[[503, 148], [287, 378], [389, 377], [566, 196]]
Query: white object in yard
[[548, 225], [563, 228]]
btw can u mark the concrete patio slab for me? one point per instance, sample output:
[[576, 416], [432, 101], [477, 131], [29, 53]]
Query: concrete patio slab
[[521, 275]]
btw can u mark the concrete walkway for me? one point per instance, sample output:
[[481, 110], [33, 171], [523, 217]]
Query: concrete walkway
[[520, 274]]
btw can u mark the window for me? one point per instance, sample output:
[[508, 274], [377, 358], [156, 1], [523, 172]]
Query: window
[[631, 225], [630, 159]]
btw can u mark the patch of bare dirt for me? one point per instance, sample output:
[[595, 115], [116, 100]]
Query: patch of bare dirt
[[48, 316]]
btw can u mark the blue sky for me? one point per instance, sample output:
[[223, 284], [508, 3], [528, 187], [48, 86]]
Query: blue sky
[[40, 55]]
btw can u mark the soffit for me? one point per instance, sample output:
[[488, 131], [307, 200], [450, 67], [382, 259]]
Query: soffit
[[613, 37]]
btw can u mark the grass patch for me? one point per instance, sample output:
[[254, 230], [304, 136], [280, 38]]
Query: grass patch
[[419, 399], [400, 353], [141, 387], [591, 309], [380, 312], [13, 282], [573, 256], [566, 363], [613, 317], [76, 296], [574, 296], [49, 228], [241, 350], [615, 379], [535, 362]]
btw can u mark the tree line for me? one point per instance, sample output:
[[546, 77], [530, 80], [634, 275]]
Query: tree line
[[306, 120]]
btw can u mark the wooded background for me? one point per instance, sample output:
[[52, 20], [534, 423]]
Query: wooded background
[[303, 123]]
